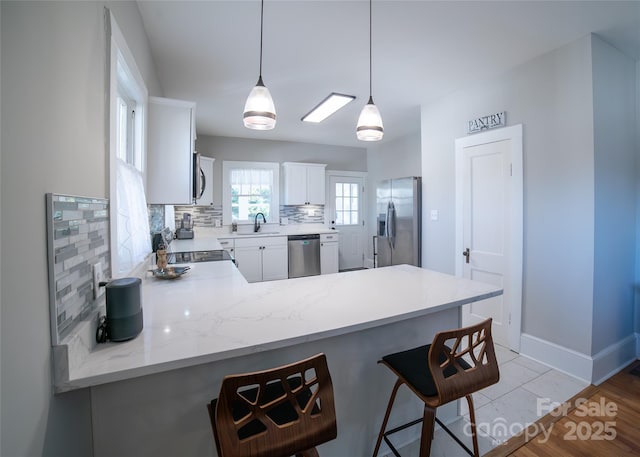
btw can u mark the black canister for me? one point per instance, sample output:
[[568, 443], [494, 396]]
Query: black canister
[[124, 309]]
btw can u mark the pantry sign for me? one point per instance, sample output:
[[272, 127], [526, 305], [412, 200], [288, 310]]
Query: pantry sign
[[487, 122]]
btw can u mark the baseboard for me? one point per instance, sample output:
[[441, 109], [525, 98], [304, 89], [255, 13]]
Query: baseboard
[[595, 369], [560, 358], [368, 263], [614, 358]]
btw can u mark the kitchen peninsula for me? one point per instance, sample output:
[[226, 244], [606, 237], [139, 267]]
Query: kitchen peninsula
[[149, 395]]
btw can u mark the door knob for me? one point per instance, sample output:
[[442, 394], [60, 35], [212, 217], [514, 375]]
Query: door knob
[[467, 254]]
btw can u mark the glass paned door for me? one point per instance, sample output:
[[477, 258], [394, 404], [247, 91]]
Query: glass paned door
[[345, 209], [347, 203]]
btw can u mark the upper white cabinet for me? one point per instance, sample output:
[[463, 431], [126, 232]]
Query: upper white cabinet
[[171, 141], [205, 193], [303, 183]]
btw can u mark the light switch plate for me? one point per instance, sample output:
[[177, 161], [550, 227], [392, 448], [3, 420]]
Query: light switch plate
[[98, 276], [434, 214]]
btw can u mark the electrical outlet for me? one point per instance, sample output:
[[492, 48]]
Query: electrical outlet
[[97, 277]]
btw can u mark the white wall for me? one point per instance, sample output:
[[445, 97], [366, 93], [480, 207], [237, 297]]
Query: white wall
[[54, 139], [228, 148], [614, 100], [551, 96], [392, 159]]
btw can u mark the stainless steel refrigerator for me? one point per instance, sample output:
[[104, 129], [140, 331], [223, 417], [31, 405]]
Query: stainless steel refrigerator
[[399, 230]]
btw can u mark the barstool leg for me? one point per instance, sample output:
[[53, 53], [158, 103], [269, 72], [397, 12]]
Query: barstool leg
[[386, 416], [474, 434], [428, 424]]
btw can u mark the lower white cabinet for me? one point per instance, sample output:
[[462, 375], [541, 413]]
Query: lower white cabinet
[[227, 244], [329, 255], [262, 258]]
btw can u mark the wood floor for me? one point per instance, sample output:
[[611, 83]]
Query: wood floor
[[600, 421]]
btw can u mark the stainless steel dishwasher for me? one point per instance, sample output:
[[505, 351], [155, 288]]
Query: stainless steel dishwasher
[[304, 255]]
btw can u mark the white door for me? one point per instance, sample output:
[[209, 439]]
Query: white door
[[345, 206], [489, 226]]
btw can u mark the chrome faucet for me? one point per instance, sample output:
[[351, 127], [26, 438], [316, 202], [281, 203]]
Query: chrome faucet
[[256, 224]]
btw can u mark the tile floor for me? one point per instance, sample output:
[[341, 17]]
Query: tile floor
[[525, 392]]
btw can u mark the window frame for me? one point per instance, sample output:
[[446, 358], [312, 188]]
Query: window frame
[[274, 204], [122, 68]]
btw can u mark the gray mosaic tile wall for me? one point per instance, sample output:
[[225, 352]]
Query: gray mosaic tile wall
[[205, 216], [77, 238], [201, 216], [300, 214], [156, 218]]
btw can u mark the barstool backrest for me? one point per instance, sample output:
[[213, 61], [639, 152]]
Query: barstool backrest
[[277, 412], [447, 356]]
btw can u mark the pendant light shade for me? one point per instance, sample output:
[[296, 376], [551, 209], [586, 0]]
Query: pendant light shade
[[370, 121], [259, 110]]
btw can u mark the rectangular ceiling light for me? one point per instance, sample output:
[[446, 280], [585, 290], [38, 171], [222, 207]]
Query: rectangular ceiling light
[[327, 107]]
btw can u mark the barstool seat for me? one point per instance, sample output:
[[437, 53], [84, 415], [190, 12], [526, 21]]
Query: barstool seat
[[456, 364], [279, 412]]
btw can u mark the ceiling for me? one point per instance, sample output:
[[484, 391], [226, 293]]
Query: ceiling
[[208, 52]]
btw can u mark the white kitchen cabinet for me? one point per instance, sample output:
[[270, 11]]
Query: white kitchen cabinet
[[329, 253], [170, 146], [262, 258], [206, 175], [304, 183], [228, 245]]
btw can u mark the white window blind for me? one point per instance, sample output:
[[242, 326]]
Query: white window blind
[[250, 188]]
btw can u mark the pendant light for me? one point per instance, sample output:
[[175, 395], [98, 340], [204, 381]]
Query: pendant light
[[259, 110], [370, 122]]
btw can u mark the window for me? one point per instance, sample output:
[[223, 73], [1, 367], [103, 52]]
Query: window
[[346, 203], [250, 188], [130, 240]]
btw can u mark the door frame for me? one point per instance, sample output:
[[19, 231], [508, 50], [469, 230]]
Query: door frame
[[330, 204], [515, 231]]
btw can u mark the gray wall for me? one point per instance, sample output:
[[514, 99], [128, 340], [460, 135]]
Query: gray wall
[[391, 159], [614, 80], [551, 96], [637, 320], [227, 148], [53, 109]]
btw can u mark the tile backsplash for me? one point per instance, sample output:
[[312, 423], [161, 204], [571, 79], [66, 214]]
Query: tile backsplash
[[77, 238], [201, 216], [205, 216]]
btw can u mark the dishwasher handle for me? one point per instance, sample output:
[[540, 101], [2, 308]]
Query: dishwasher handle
[[303, 237]]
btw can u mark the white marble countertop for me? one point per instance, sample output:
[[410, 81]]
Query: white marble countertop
[[212, 313], [200, 243], [206, 238], [265, 230]]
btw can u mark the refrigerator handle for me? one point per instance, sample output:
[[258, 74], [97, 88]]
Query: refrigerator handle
[[391, 225], [387, 234]]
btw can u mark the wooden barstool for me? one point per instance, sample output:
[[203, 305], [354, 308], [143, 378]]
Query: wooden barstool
[[456, 364], [280, 412]]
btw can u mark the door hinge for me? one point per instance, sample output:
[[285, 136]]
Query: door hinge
[[509, 318], [363, 223], [510, 169]]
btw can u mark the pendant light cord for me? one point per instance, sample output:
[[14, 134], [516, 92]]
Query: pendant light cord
[[261, 24], [370, 52]]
